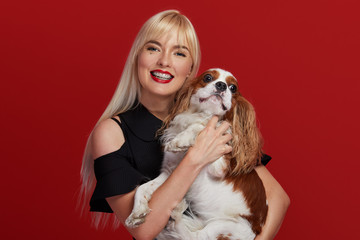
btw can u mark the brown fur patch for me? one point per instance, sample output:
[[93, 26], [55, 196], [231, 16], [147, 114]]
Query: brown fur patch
[[196, 83], [247, 141], [231, 80], [222, 237], [253, 190]]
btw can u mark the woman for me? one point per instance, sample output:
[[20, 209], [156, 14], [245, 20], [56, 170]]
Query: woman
[[165, 53]]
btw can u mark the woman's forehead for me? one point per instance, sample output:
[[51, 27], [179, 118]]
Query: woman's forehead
[[179, 36]]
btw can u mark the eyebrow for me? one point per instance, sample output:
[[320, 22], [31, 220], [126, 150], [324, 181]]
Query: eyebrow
[[175, 47]]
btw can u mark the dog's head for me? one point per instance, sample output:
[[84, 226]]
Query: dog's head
[[213, 91], [216, 92]]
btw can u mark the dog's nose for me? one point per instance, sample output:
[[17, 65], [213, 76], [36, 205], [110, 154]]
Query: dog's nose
[[220, 86]]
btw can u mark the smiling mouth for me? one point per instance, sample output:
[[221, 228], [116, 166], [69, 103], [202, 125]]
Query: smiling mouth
[[216, 96], [161, 77]]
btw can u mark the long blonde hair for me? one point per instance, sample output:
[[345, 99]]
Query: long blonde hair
[[128, 89]]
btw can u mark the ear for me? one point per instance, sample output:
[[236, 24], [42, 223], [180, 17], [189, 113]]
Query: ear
[[247, 140], [182, 101]]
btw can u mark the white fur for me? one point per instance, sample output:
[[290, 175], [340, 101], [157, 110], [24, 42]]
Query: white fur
[[216, 207]]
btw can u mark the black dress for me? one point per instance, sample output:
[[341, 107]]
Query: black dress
[[137, 161]]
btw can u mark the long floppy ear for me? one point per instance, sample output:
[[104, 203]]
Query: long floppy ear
[[247, 141], [181, 104]]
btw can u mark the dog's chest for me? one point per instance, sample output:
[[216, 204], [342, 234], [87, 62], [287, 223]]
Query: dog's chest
[[213, 198], [186, 119]]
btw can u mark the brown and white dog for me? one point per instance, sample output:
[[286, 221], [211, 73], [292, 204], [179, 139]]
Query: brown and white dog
[[227, 200]]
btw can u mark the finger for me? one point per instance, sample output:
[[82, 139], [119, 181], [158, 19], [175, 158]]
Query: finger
[[224, 126], [227, 149], [213, 121], [225, 138]]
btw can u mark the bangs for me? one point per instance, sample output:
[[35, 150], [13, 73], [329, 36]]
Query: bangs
[[167, 24]]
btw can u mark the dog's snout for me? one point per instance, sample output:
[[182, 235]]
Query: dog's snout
[[220, 86]]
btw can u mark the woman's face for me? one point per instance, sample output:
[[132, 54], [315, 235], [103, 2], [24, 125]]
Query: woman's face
[[163, 66]]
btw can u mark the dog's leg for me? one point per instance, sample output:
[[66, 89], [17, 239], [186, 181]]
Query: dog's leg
[[218, 169], [142, 197], [177, 213], [226, 229], [181, 226], [170, 231], [185, 139]]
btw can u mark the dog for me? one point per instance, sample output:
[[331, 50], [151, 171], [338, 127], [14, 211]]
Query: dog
[[227, 200]]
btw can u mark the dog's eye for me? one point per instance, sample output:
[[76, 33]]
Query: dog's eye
[[208, 78], [232, 88]]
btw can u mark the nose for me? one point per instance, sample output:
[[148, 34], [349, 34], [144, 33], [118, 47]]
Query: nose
[[164, 60], [220, 86]]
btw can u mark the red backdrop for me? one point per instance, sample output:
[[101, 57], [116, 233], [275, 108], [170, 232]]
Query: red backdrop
[[296, 61]]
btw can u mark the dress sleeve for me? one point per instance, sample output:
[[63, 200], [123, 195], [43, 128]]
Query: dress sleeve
[[115, 175], [265, 159]]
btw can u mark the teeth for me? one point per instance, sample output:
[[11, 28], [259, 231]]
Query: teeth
[[163, 76]]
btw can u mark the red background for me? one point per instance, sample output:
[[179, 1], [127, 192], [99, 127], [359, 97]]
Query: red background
[[296, 61]]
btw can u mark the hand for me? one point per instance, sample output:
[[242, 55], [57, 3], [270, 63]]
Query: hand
[[211, 143]]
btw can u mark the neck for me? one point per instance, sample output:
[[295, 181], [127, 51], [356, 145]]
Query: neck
[[159, 107]]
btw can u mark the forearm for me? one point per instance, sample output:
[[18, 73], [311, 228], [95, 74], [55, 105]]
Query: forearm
[[171, 193], [276, 213], [278, 203], [162, 202]]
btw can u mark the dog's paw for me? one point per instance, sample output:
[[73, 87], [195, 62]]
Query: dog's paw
[[177, 212], [137, 217], [177, 149], [218, 169], [175, 146]]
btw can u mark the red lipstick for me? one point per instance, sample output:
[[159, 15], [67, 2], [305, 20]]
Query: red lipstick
[[161, 76]]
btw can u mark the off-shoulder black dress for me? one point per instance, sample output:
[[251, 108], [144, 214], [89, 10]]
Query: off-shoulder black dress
[[137, 161]]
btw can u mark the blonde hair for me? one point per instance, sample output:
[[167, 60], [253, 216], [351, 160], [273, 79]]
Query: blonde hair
[[128, 89]]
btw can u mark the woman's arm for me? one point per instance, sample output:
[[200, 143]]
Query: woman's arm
[[162, 202], [278, 202], [209, 146]]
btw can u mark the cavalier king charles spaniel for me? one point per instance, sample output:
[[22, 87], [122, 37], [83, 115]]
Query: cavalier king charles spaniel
[[227, 200]]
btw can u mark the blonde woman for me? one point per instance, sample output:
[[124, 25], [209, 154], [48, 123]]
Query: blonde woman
[[122, 150]]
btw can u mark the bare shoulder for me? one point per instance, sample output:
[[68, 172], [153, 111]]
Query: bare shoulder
[[106, 137]]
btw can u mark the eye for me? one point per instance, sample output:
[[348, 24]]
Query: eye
[[180, 54], [232, 88], [208, 78], [152, 49]]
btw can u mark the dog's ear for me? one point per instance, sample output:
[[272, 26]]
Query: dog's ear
[[181, 103], [182, 99], [247, 141]]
